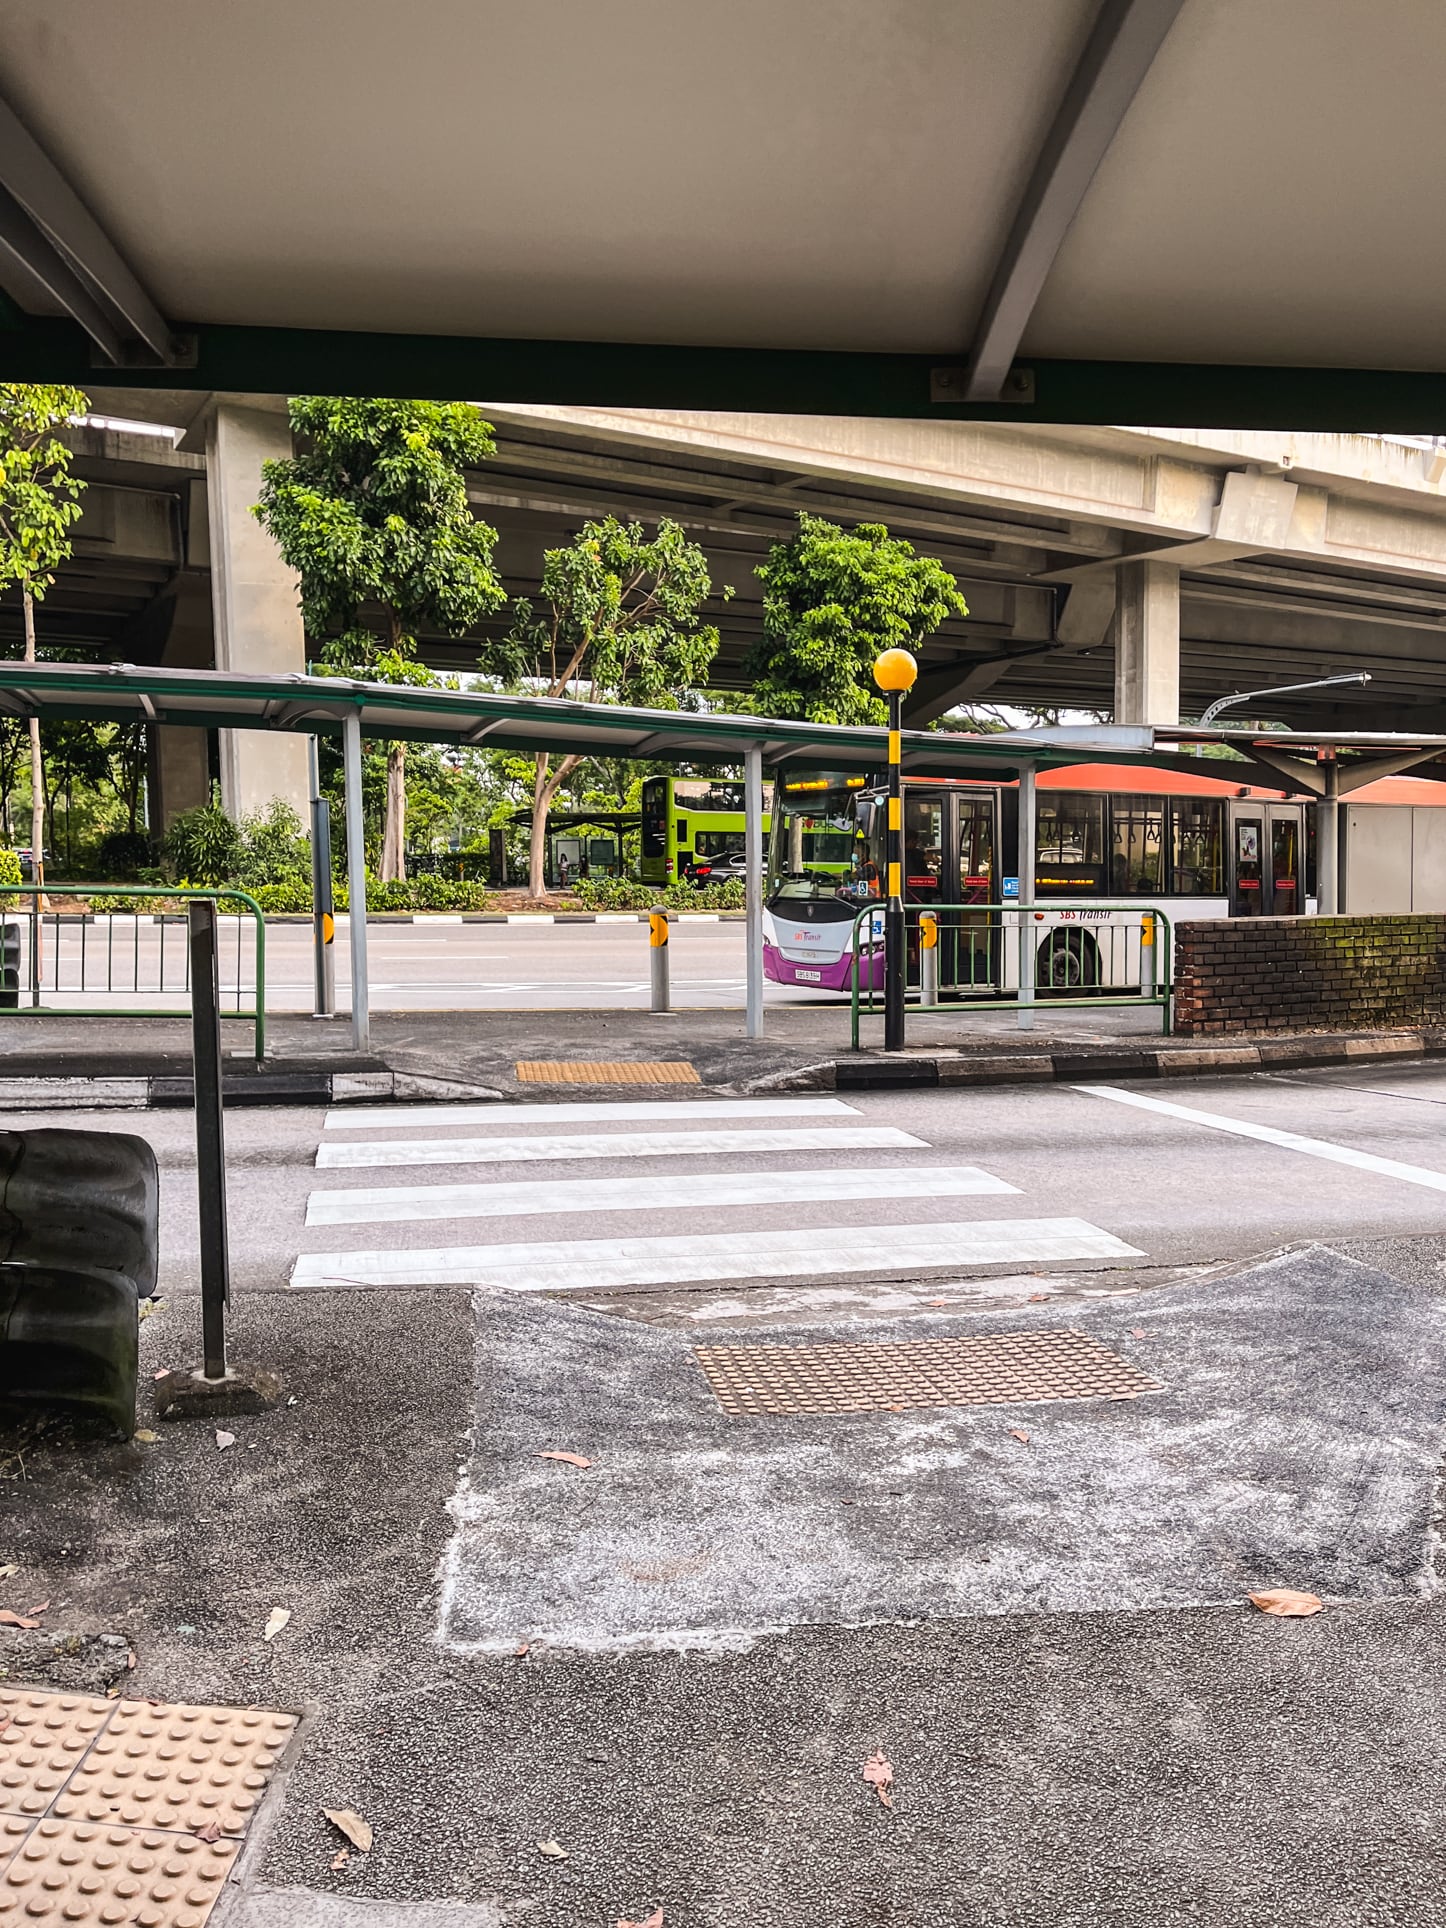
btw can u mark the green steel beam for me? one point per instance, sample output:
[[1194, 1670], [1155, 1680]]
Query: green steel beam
[[289, 361]]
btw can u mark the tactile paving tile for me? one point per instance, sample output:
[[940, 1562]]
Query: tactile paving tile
[[984, 1369], [71, 1873], [43, 1738], [658, 1071], [177, 1767]]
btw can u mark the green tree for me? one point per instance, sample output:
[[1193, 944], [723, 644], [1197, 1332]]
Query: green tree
[[372, 515], [621, 624], [39, 503], [833, 599]]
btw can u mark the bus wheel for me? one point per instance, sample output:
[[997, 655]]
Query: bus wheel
[[1068, 961]]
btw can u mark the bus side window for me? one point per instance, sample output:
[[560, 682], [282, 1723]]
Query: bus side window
[[1197, 848]]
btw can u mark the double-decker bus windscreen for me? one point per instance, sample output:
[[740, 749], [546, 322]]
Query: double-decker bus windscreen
[[815, 829]]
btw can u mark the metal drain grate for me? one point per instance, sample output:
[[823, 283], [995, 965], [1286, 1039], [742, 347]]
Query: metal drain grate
[[655, 1071], [987, 1369]]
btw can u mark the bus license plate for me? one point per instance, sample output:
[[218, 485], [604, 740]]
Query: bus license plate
[[810, 977]]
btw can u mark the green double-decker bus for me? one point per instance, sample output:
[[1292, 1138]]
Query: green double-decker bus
[[684, 818]]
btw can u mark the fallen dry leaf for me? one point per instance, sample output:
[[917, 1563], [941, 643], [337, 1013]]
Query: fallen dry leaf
[[211, 1832], [223, 1440], [10, 1619], [1286, 1604], [879, 1774], [8, 1572], [145, 1437], [357, 1831], [654, 1920], [1037, 1298], [340, 1859], [278, 1619], [41, 1608], [164, 1371], [130, 1659], [554, 1850], [519, 1650], [570, 1459], [927, 1302], [1138, 1332], [1018, 1432]]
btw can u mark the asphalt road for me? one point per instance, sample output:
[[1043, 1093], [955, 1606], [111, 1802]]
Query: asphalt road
[[434, 965], [836, 1198]]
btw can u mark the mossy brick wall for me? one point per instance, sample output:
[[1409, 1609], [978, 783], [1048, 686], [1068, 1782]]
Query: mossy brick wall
[[1309, 973]]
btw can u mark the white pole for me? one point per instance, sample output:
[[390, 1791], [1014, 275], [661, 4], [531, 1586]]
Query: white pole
[[1025, 864], [753, 884], [1327, 844], [356, 881]]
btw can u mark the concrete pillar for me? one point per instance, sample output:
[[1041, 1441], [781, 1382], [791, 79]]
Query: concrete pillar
[[179, 773], [254, 602], [1147, 644]]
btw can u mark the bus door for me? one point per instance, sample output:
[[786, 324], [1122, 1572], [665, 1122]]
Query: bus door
[[971, 957], [1285, 879], [1247, 860]]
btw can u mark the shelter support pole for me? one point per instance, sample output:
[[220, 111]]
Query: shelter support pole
[[1025, 865], [753, 885], [356, 881], [1327, 843], [323, 926]]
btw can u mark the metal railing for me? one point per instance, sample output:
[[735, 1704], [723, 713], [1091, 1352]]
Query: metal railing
[[1083, 955], [51, 958]]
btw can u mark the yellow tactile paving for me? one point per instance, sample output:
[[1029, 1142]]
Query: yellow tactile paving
[[72, 1873], [104, 1806], [43, 1738], [658, 1071], [177, 1767]]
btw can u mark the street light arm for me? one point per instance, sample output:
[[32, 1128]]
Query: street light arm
[[1280, 689]]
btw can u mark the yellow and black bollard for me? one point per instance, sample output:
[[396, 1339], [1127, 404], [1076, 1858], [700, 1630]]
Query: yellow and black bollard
[[928, 958], [894, 672], [658, 954]]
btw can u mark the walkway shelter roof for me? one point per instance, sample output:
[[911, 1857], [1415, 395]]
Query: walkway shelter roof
[[1165, 211], [211, 699]]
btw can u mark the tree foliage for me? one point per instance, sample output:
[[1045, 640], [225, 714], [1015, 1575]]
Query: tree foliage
[[621, 622], [372, 515], [39, 497], [833, 599]]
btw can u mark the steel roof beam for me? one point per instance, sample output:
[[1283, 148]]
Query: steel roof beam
[[1123, 42], [50, 231]]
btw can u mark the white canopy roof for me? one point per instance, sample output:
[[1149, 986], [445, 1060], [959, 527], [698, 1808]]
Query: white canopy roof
[[432, 191]]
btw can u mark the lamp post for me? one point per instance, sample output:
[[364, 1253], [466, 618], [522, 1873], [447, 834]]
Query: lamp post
[[894, 672]]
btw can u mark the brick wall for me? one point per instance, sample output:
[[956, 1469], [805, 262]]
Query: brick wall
[[1307, 973]]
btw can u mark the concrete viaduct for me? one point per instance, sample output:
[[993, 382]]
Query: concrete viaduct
[[1140, 573]]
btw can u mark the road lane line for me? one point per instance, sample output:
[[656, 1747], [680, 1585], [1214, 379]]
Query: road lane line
[[388, 1117], [633, 1144], [377, 1205], [1364, 1161], [592, 1265]]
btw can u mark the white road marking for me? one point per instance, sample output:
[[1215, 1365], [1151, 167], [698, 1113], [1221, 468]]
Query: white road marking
[[633, 1144], [373, 1205], [1364, 1161], [591, 1265], [388, 1117]]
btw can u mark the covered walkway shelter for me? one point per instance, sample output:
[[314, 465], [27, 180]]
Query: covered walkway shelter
[[313, 706]]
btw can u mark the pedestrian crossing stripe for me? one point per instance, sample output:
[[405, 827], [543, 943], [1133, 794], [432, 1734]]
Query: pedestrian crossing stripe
[[589, 1111], [593, 1265], [395, 1152], [405, 1204]]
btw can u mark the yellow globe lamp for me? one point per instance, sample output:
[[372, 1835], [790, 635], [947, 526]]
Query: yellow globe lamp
[[895, 671]]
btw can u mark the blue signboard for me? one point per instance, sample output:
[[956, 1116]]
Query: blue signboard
[[1008, 887]]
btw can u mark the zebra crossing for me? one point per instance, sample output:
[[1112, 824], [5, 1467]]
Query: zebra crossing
[[773, 1167]]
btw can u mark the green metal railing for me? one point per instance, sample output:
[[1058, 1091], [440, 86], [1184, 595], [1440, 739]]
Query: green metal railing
[[106, 954], [1065, 953]]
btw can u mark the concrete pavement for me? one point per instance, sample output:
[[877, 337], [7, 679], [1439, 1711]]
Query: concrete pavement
[[723, 1618]]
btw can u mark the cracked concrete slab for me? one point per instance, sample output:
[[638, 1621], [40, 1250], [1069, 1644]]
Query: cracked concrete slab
[[266, 1907], [1296, 1442]]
